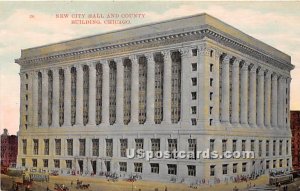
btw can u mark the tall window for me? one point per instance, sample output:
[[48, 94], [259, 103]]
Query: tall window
[[172, 169], [252, 145], [234, 147], [154, 168], [267, 147], [61, 96], [24, 141], [212, 170], [243, 145], [220, 86], [287, 147], [40, 99], [176, 87], [85, 94], [123, 147], [155, 145], [127, 91], [73, 95], [81, 147], [139, 144], [112, 92], [109, 147], [70, 146], [191, 170], [280, 147], [69, 164], [50, 96], [138, 167], [35, 146], [225, 168], [46, 146], [192, 147], [142, 89], [260, 148], [123, 166], [99, 75], [95, 143], [172, 145], [58, 146], [274, 147], [159, 78], [224, 146], [34, 162]]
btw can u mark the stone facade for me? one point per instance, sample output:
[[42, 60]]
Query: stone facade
[[295, 127], [188, 83]]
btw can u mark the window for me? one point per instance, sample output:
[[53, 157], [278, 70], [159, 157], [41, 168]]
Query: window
[[280, 147], [123, 147], [99, 81], [69, 164], [260, 148], [192, 147], [244, 167], [212, 170], [287, 162], [211, 145], [194, 81], [127, 91], [26, 86], [194, 121], [139, 144], [210, 110], [24, 141], [274, 163], [123, 166], [95, 143], [45, 161], [46, 146], [35, 146], [176, 87], [194, 95], [23, 162], [56, 163], [155, 145], [34, 162], [267, 164], [172, 169], [274, 147], [172, 146], [280, 162], [287, 147], [234, 168], [252, 145], [112, 92], [194, 52], [70, 146], [211, 96], [267, 147], [224, 168], [85, 94], [142, 89], [138, 167], [211, 82], [194, 110], [81, 147], [211, 67], [109, 147], [191, 170], [243, 145], [154, 168], [73, 95], [224, 146], [61, 96], [194, 66], [58, 146], [210, 122], [234, 145]]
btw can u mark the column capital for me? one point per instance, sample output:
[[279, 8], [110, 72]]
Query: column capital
[[261, 71], [253, 68], [79, 66], [167, 54], [44, 71], [236, 62], [104, 62], [274, 76], [245, 65], [268, 74], [149, 57], [91, 64], [133, 58], [288, 80], [226, 59], [186, 51], [118, 60]]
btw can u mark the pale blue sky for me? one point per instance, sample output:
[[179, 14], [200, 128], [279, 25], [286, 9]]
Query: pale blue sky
[[275, 23]]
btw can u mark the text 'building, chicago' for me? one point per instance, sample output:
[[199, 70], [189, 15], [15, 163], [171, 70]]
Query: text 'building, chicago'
[[192, 83]]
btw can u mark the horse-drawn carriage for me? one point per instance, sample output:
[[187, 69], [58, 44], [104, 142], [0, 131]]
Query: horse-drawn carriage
[[60, 187], [80, 185]]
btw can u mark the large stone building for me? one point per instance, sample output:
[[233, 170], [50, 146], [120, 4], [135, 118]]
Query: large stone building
[[295, 127], [190, 83], [9, 149]]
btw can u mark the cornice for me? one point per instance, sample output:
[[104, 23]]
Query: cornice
[[155, 41]]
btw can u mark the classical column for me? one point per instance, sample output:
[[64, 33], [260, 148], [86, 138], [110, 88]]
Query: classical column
[[35, 99], [134, 90], [105, 93], [45, 98], [150, 88], [288, 84], [235, 91], [22, 101], [260, 98], [120, 92], [167, 87], [274, 100], [216, 87], [67, 97], [244, 93], [55, 105], [92, 94], [284, 104], [185, 85], [280, 102], [252, 96], [225, 89], [79, 95], [268, 99]]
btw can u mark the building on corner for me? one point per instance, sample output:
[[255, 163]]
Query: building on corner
[[295, 127], [9, 149], [189, 83]]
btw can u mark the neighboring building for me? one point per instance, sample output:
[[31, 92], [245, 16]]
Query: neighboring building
[[190, 83], [295, 127], [9, 149]]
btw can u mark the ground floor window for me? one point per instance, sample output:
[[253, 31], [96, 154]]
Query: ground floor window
[[154, 168], [172, 169], [191, 170], [123, 166], [138, 167]]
